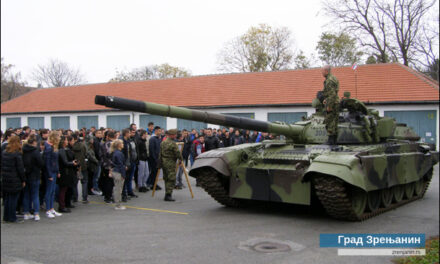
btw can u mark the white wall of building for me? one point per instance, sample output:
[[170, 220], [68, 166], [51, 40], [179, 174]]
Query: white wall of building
[[259, 113]]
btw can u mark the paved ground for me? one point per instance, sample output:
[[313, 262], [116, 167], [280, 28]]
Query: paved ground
[[206, 232]]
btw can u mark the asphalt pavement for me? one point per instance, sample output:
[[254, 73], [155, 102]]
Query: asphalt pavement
[[200, 230]]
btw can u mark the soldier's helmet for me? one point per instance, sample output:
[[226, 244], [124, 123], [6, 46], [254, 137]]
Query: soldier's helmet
[[172, 131]]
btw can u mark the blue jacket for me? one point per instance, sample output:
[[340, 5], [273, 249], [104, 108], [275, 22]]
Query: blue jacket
[[118, 162], [50, 160]]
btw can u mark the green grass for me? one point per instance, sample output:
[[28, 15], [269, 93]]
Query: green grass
[[432, 254]]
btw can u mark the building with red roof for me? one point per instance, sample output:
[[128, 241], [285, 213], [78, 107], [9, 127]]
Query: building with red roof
[[394, 89]]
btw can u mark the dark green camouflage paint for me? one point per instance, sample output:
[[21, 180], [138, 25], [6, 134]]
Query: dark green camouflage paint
[[373, 152]]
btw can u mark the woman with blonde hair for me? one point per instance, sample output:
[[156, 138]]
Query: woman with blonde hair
[[13, 178], [118, 171], [52, 171]]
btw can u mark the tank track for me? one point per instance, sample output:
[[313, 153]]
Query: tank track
[[211, 182], [335, 197]]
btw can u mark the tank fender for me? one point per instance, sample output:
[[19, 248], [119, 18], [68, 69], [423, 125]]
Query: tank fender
[[217, 164], [338, 166]]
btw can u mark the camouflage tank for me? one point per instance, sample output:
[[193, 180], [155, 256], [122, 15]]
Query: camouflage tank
[[376, 165]]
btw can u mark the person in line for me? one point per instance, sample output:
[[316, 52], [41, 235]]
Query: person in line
[[33, 163], [80, 152], [153, 159], [67, 174], [106, 161], [13, 178], [142, 149], [118, 172], [52, 172]]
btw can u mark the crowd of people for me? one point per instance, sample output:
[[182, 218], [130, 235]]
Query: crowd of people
[[41, 167]]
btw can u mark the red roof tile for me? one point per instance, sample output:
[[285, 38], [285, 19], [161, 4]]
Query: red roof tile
[[375, 83]]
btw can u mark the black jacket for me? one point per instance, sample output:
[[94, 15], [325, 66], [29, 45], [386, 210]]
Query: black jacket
[[33, 162], [211, 142], [67, 169], [12, 172], [142, 149], [187, 142]]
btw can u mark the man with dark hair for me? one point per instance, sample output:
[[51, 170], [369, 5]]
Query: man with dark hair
[[150, 128], [153, 159], [211, 142]]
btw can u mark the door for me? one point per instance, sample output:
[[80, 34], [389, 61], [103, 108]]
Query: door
[[423, 122]]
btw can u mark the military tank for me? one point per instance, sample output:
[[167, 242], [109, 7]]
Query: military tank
[[376, 164]]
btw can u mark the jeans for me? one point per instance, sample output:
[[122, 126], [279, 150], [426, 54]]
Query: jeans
[[84, 181], [10, 201], [143, 173], [117, 189], [128, 187], [179, 176], [96, 177], [30, 198], [50, 191]]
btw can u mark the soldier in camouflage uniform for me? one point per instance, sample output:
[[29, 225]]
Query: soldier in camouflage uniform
[[169, 154], [331, 103]]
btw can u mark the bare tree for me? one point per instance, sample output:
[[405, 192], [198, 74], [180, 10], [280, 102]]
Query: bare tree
[[365, 22], [390, 29], [405, 17], [57, 73], [261, 48], [11, 84]]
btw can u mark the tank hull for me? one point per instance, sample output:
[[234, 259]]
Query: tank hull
[[278, 171]]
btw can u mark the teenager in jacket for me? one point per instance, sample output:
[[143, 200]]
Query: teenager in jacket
[[33, 163], [154, 150], [13, 178], [80, 152], [118, 171], [142, 149], [52, 171], [66, 181], [106, 161]]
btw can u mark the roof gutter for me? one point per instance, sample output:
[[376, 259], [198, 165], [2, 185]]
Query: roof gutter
[[224, 106]]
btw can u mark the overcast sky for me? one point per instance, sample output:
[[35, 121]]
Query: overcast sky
[[100, 36]]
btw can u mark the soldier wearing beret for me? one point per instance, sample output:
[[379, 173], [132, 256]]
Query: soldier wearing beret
[[331, 103], [169, 154]]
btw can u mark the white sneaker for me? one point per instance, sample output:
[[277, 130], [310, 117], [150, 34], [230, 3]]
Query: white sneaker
[[49, 214], [121, 207], [37, 217], [28, 217], [56, 213]]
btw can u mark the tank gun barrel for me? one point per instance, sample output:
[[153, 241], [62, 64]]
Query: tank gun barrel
[[290, 131]]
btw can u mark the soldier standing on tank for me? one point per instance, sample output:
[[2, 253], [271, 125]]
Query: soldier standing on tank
[[169, 154], [331, 103]]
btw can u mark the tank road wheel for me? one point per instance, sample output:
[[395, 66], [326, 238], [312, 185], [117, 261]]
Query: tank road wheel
[[374, 199], [386, 197], [418, 187], [398, 191], [359, 200], [409, 190]]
